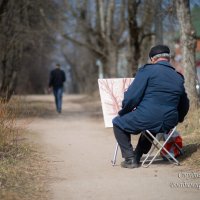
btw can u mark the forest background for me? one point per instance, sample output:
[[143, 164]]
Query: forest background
[[92, 39]]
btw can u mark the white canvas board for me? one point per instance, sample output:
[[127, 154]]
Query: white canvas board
[[111, 94]]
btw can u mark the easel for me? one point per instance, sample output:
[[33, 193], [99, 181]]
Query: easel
[[111, 94]]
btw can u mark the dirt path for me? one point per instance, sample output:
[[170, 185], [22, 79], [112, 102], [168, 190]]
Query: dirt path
[[80, 150]]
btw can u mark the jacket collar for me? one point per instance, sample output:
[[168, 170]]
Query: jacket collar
[[165, 63]]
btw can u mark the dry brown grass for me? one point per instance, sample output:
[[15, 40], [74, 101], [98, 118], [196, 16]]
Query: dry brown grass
[[23, 107], [190, 131], [7, 124], [23, 174], [23, 170]]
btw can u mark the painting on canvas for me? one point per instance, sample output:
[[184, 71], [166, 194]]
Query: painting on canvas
[[111, 94]]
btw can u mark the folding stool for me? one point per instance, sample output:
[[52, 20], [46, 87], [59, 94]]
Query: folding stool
[[159, 146], [156, 144]]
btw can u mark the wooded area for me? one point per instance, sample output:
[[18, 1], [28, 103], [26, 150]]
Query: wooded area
[[25, 42], [91, 38]]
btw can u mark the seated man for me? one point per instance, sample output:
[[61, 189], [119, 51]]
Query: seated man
[[155, 101]]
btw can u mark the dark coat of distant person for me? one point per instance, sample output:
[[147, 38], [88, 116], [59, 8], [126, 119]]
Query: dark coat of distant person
[[57, 78]]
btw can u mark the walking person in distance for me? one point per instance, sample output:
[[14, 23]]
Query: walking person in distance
[[56, 82]]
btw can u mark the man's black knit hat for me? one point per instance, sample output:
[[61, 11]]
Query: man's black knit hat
[[159, 49]]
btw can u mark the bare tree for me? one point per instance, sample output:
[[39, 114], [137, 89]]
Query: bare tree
[[101, 31], [83, 72], [140, 20], [23, 29], [122, 26], [188, 45], [11, 46]]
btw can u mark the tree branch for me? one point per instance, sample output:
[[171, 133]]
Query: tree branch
[[100, 53], [144, 36]]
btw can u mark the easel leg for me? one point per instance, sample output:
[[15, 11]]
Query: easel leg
[[115, 155]]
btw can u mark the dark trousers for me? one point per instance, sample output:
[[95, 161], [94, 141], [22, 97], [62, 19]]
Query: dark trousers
[[124, 140], [58, 92]]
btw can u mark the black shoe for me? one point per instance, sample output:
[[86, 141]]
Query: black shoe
[[130, 163]]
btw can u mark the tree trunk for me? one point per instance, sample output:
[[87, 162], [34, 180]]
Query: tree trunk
[[110, 63], [139, 30], [188, 45], [158, 23], [9, 79], [134, 46], [24, 30]]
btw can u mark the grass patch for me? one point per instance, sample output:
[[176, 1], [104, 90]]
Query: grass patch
[[23, 174], [23, 107], [190, 131], [23, 170]]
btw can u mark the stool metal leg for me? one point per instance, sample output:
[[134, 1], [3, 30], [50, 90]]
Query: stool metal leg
[[176, 162]]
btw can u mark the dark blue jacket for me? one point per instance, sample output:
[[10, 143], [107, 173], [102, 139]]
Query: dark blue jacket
[[156, 100], [57, 78]]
